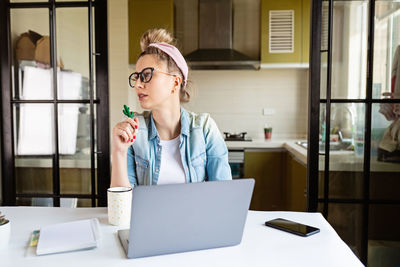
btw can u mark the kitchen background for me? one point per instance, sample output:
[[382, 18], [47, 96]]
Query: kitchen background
[[234, 98]]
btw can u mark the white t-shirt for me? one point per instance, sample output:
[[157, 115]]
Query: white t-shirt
[[171, 169]]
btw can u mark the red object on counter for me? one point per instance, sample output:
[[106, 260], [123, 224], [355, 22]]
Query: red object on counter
[[267, 133]]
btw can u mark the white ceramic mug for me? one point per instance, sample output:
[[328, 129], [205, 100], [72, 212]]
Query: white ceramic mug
[[5, 232], [119, 205]]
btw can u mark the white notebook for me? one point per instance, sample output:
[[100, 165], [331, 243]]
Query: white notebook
[[69, 236]]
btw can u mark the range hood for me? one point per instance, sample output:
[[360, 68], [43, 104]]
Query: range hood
[[215, 39]]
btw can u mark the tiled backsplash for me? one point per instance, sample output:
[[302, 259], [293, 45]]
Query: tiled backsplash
[[236, 99]]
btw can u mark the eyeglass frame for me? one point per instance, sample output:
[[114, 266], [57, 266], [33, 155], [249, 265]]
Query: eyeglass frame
[[140, 76]]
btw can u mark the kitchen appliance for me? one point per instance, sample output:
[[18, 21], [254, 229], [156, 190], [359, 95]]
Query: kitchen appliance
[[236, 155], [215, 39], [236, 136], [236, 162]]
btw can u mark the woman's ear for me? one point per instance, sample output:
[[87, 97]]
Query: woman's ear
[[178, 82]]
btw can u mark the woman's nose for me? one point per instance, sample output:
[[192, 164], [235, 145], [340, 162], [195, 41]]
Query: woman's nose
[[139, 83]]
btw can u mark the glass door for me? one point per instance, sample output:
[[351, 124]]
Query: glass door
[[354, 124], [56, 155]]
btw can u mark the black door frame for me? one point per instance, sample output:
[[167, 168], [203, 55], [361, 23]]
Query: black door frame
[[313, 122], [100, 101]]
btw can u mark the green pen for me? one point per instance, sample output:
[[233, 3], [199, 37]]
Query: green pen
[[129, 114]]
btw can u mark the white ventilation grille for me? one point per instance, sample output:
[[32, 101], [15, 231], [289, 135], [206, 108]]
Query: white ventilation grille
[[281, 31]]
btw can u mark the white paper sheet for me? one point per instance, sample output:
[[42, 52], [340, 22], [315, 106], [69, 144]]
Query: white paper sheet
[[70, 236]]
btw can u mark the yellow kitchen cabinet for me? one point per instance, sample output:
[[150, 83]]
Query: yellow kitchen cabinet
[[268, 170], [296, 184], [288, 22], [144, 15], [305, 26]]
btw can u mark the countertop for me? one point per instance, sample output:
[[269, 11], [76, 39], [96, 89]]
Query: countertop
[[339, 160], [285, 143]]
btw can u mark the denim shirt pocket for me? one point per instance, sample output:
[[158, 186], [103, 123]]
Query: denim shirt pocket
[[199, 165], [142, 166]]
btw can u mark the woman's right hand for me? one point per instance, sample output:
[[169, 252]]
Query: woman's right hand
[[124, 134]]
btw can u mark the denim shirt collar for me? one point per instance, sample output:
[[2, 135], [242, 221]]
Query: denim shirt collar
[[153, 133]]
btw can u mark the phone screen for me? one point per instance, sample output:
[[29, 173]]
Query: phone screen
[[292, 227]]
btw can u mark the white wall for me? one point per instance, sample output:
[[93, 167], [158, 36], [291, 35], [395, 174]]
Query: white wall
[[235, 98]]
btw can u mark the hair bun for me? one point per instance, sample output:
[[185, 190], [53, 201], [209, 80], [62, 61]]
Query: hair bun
[[156, 36]]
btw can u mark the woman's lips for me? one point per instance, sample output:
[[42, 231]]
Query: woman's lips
[[142, 96]]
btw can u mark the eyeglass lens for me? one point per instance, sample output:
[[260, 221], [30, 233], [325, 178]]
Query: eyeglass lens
[[145, 75]]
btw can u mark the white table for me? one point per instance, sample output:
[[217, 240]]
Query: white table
[[261, 245]]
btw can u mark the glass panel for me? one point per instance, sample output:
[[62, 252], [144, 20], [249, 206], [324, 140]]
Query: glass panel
[[320, 207], [324, 75], [42, 201], [74, 148], [85, 203], [321, 158], [386, 83], [34, 146], [72, 1], [47, 202], [93, 59], [384, 235], [346, 219], [23, 201], [345, 162], [35, 201], [33, 179], [346, 158], [68, 202], [96, 111], [349, 49], [385, 155], [33, 133], [347, 136], [22, 1], [73, 53], [31, 76], [324, 25]]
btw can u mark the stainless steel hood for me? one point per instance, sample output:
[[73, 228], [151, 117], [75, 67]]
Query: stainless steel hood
[[215, 39]]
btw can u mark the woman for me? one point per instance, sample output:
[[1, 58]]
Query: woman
[[169, 144]]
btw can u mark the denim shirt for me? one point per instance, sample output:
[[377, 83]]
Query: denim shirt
[[203, 150]]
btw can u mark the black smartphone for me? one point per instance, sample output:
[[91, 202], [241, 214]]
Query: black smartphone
[[292, 227]]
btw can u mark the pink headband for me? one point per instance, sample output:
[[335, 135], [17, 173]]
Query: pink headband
[[174, 53]]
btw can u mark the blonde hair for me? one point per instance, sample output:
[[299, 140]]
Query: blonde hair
[[163, 36]]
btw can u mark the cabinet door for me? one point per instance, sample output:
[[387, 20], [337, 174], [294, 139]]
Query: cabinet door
[[305, 27], [296, 185], [281, 31], [268, 170], [145, 15]]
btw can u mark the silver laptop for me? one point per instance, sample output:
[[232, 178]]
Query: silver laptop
[[185, 217]]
